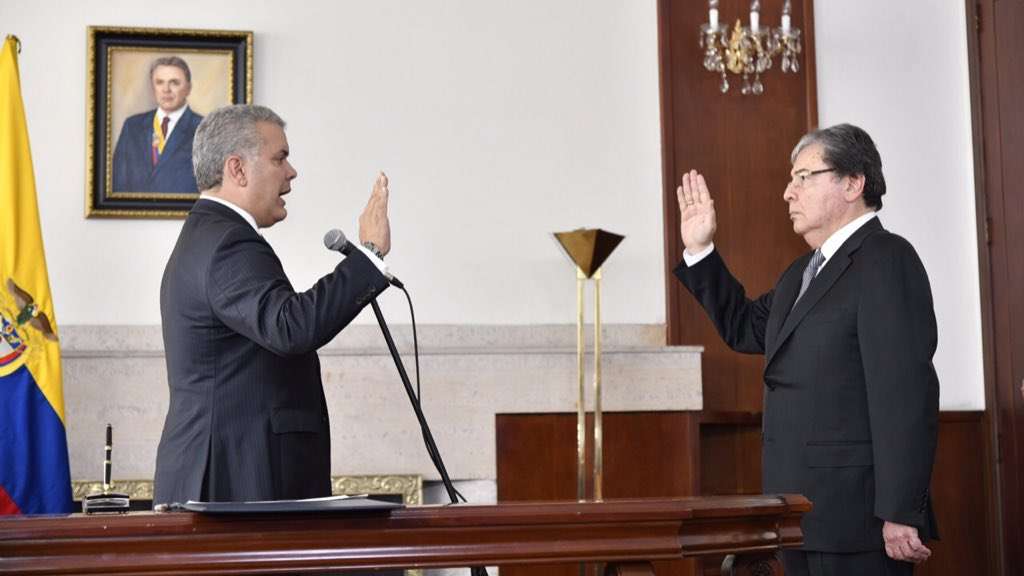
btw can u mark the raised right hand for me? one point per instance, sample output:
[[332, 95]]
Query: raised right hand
[[697, 222], [374, 225]]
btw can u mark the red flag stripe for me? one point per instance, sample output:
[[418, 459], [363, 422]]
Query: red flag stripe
[[7, 506]]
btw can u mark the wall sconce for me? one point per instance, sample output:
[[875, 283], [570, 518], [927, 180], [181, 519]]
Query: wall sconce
[[748, 50]]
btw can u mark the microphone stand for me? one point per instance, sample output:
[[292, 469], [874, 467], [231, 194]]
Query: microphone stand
[[428, 438]]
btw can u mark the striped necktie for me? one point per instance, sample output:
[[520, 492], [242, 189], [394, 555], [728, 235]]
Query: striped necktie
[[817, 259], [159, 140]]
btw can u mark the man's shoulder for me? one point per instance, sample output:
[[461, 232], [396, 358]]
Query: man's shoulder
[[887, 251], [883, 241], [142, 118], [191, 118], [218, 220]]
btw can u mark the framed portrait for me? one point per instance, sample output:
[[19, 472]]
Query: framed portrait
[[147, 91]]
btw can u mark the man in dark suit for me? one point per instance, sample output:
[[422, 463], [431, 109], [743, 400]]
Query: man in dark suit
[[154, 150], [851, 398], [247, 418]]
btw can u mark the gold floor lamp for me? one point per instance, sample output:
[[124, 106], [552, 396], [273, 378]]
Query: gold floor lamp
[[588, 248]]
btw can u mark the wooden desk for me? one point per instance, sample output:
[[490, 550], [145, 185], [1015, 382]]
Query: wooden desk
[[625, 534]]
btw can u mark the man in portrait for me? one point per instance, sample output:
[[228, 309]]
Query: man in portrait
[[154, 151]]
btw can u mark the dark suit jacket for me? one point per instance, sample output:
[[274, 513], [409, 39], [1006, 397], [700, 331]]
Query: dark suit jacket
[[851, 403], [247, 418], [133, 162]]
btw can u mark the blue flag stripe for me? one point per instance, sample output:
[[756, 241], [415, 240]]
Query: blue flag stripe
[[33, 448]]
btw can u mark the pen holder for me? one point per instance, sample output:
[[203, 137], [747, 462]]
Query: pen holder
[[106, 502]]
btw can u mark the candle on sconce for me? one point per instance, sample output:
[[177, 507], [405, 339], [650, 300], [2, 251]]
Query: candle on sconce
[[713, 14], [786, 23], [755, 15]]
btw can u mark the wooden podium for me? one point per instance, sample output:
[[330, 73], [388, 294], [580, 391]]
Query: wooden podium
[[624, 535]]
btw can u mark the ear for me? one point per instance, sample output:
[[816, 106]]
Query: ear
[[854, 187], [235, 170]]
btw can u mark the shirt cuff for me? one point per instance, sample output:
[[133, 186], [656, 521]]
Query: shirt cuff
[[692, 259], [373, 258]]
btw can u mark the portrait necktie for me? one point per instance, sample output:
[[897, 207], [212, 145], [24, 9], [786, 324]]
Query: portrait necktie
[[159, 138], [817, 259]]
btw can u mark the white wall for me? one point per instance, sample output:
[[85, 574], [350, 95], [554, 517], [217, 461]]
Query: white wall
[[498, 122], [899, 70]]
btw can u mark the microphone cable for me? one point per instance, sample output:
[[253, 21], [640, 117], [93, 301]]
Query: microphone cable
[[434, 456]]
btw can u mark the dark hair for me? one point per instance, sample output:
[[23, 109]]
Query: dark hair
[[171, 61], [850, 152]]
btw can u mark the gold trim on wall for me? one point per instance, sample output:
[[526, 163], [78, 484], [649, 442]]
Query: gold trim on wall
[[409, 486]]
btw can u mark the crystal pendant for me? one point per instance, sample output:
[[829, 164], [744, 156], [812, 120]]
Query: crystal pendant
[[724, 84]]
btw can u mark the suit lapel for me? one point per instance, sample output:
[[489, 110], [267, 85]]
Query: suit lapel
[[822, 283], [785, 295]]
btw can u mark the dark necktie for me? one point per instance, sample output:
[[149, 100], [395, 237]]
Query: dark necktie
[[163, 126], [817, 259]]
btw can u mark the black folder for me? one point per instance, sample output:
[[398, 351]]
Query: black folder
[[331, 504]]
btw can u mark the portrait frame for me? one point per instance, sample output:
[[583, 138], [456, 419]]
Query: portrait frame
[[118, 87]]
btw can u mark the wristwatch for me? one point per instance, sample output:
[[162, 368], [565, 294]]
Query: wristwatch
[[373, 248]]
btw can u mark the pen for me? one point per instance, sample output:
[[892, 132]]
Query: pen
[[106, 458]]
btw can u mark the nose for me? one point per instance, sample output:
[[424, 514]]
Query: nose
[[292, 173], [789, 194]]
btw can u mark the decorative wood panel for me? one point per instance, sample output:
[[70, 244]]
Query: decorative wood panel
[[646, 454], [633, 532], [536, 456], [961, 495], [997, 90]]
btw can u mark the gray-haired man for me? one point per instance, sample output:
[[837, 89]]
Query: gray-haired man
[[247, 418], [851, 399]]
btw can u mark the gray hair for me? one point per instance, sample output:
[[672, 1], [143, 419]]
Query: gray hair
[[228, 131], [171, 61], [849, 151]]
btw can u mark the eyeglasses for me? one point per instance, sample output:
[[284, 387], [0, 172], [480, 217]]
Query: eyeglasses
[[800, 178]]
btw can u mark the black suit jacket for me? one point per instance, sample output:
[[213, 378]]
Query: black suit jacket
[[851, 398], [133, 163], [247, 418]]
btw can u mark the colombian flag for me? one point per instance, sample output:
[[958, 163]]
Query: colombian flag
[[34, 475]]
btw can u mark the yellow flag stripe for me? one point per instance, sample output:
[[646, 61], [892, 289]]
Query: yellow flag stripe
[[21, 243]]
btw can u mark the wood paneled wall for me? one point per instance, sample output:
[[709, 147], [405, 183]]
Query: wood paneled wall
[[994, 45], [742, 145], [645, 454], [652, 454]]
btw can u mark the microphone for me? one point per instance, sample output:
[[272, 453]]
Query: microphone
[[335, 240]]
